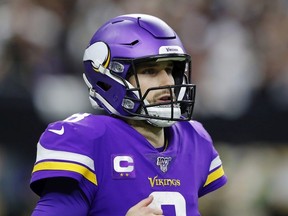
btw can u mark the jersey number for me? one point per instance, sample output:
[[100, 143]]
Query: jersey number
[[76, 117], [169, 198]]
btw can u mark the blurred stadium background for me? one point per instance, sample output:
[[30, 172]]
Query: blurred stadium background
[[240, 65]]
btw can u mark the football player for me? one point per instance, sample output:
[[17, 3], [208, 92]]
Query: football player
[[145, 156]]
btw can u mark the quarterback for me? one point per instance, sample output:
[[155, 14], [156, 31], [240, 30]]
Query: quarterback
[[146, 156]]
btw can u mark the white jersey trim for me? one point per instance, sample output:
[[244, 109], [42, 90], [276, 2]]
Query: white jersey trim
[[47, 154], [215, 163]]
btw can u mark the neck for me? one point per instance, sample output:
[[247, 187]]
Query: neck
[[155, 135]]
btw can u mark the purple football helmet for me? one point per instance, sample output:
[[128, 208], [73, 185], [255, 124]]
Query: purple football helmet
[[111, 57]]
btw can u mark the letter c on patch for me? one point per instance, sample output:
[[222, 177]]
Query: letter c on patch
[[123, 164]]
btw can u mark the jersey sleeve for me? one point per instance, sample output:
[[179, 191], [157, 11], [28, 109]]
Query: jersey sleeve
[[61, 198], [215, 175], [65, 150]]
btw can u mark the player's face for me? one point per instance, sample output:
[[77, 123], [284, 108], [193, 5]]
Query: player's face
[[154, 74]]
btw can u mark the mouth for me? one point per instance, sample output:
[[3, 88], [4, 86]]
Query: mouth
[[165, 99]]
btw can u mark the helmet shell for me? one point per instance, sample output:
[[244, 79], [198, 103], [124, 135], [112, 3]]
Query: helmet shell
[[136, 36]]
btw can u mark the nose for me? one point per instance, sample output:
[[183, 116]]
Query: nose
[[166, 78]]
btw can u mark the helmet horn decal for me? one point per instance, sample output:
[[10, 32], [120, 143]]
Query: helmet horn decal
[[99, 55]]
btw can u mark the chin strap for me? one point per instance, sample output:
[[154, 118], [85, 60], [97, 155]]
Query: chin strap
[[164, 112], [160, 123]]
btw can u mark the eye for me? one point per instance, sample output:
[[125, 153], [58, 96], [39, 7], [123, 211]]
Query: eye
[[149, 71]]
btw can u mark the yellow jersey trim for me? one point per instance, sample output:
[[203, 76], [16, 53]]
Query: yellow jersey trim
[[214, 175], [49, 165]]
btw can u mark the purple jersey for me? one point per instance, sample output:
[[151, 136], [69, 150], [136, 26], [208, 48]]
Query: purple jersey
[[116, 166]]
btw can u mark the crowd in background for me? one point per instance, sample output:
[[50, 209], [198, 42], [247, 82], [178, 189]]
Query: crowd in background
[[239, 55]]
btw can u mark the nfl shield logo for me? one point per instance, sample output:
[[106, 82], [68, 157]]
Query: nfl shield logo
[[163, 163]]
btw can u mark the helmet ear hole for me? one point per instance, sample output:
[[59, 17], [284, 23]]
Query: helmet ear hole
[[104, 86]]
